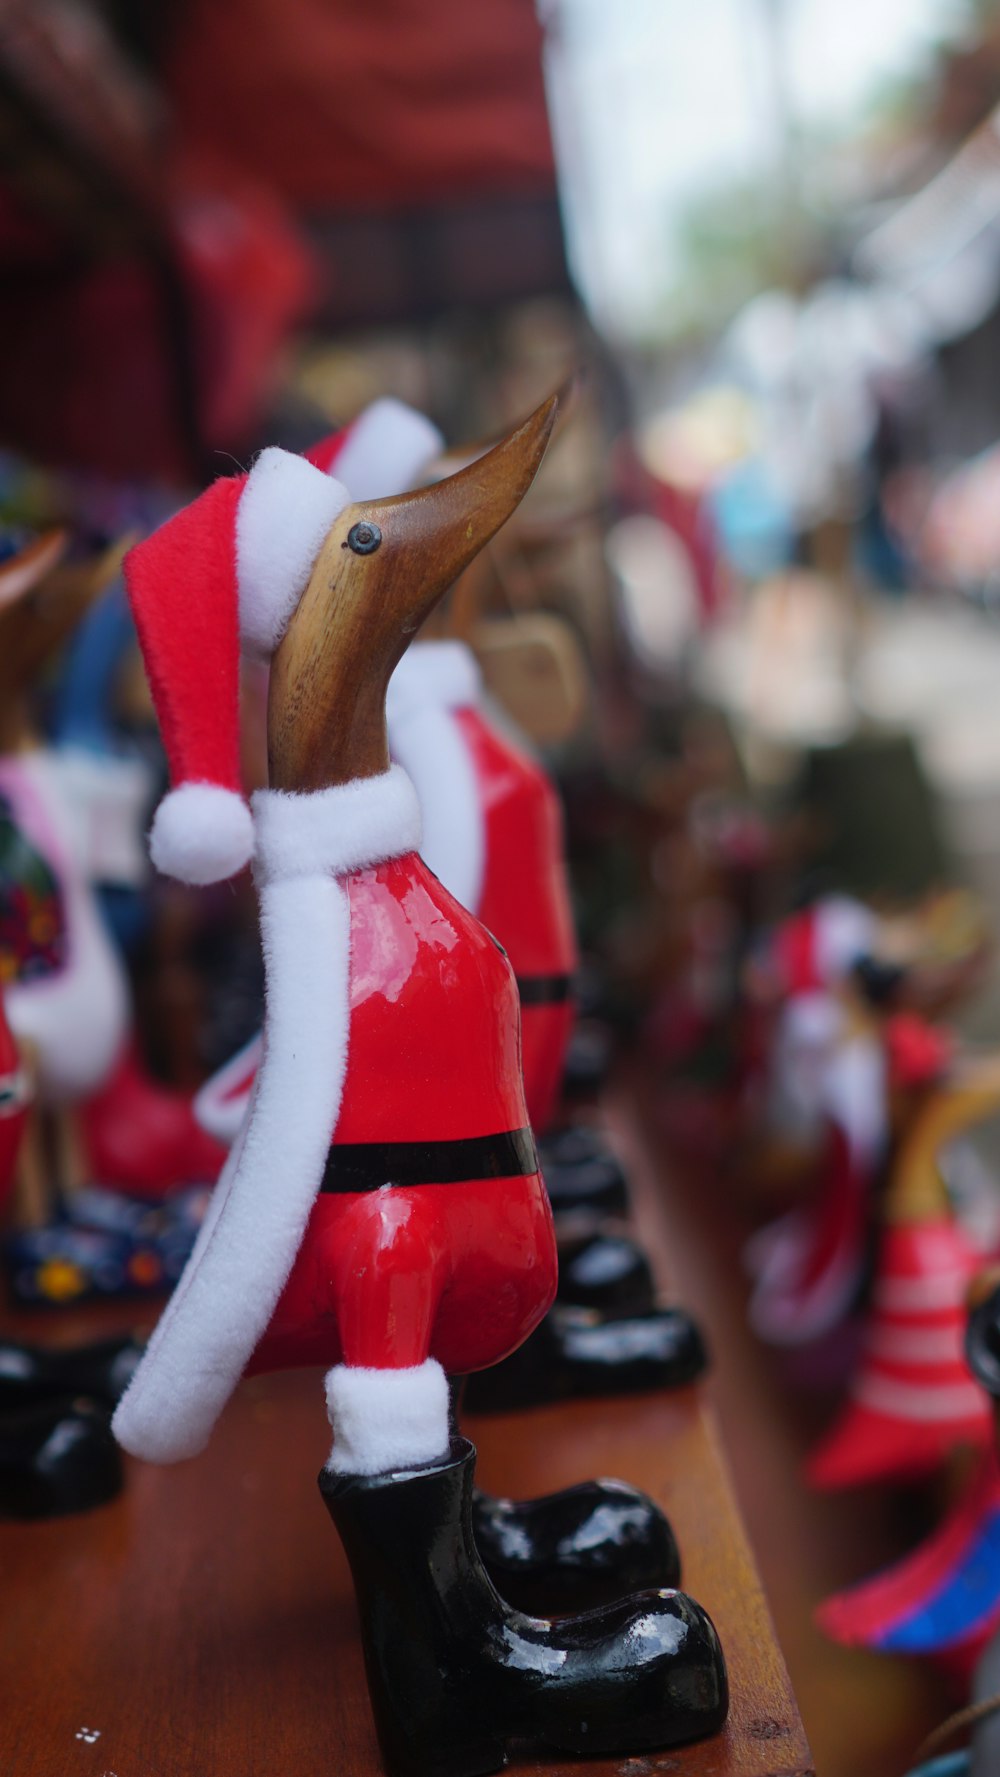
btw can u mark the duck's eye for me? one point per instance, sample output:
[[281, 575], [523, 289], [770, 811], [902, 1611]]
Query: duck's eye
[[364, 538]]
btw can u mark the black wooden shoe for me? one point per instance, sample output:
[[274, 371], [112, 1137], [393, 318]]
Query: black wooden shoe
[[581, 1172], [570, 1551], [101, 1371], [57, 1456], [604, 1268], [579, 1355], [456, 1676]]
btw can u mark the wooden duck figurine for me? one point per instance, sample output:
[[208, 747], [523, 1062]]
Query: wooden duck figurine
[[489, 814], [912, 1399], [66, 987], [942, 1600], [492, 834], [492, 829], [827, 1094], [382, 1210]]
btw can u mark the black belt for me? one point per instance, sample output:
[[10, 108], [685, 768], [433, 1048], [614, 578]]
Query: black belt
[[368, 1165], [544, 990]]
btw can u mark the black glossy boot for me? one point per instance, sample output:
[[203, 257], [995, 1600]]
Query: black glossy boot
[[455, 1676], [57, 1457], [101, 1371], [570, 1551], [581, 1172], [578, 1355], [604, 1268], [588, 1059]]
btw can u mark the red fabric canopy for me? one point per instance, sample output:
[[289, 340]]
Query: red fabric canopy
[[351, 106]]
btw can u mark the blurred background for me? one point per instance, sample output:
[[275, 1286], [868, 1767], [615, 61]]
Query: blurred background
[[755, 594]]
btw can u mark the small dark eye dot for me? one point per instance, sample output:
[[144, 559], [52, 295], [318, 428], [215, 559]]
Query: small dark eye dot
[[364, 538]]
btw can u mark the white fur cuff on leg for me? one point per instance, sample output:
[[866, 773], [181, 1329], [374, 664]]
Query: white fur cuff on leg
[[387, 1419]]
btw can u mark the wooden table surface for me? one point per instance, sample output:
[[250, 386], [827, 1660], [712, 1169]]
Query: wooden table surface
[[203, 1625]]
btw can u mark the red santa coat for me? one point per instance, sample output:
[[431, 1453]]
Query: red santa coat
[[382, 1201], [461, 1270], [525, 901], [493, 833]]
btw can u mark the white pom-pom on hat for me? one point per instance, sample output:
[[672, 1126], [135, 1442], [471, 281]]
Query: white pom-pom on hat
[[201, 833]]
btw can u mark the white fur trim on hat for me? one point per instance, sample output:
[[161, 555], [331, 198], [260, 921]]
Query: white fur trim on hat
[[386, 450], [201, 833], [387, 1419], [284, 514]]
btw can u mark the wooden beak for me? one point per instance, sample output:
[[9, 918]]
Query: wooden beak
[[382, 569]]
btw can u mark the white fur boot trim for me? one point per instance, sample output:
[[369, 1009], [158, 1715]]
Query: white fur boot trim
[[387, 1419]]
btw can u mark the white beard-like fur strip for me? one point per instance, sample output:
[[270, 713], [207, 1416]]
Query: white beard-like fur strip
[[231, 1289], [432, 681], [261, 1206]]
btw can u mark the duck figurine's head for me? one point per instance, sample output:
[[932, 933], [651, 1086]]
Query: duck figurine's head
[[383, 567]]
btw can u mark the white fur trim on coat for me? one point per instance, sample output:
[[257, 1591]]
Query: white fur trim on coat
[[260, 1208], [432, 681], [346, 827], [446, 674], [387, 1419], [284, 514], [386, 450], [201, 833]]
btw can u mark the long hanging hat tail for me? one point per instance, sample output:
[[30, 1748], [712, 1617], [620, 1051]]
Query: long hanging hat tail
[[222, 1306]]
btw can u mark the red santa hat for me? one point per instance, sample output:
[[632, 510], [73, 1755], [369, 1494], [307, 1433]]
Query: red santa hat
[[383, 451], [224, 576]]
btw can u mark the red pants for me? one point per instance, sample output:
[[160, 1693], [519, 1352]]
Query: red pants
[[385, 1279]]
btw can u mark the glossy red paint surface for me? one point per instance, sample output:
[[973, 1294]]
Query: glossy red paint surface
[[142, 1137], [525, 900], [459, 1272]]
